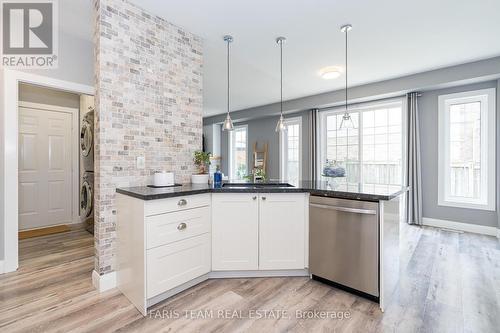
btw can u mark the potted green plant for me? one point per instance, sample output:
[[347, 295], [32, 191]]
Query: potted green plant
[[258, 175], [202, 161]]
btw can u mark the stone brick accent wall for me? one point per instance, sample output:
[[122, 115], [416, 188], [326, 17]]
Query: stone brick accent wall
[[148, 76]]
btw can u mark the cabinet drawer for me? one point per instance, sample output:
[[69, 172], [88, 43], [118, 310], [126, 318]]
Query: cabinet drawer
[[167, 228], [160, 206], [171, 265]]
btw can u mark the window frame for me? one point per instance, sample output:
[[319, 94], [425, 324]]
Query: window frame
[[486, 97], [358, 108], [230, 148], [283, 153]]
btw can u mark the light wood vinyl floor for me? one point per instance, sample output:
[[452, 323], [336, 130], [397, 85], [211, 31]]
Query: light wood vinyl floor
[[451, 283]]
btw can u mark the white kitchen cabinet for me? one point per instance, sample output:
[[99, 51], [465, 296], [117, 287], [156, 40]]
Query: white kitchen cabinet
[[235, 231], [171, 265], [168, 245], [253, 231], [163, 245], [282, 231]]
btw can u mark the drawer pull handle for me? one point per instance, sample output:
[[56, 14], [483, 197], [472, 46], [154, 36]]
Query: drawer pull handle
[[182, 202], [264, 198], [254, 198], [182, 226]]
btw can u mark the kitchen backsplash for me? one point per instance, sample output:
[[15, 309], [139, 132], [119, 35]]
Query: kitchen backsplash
[[148, 76]]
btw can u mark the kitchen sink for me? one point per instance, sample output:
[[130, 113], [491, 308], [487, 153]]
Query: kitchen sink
[[255, 185]]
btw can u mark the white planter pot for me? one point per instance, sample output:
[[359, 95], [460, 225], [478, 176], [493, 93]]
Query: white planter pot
[[199, 179]]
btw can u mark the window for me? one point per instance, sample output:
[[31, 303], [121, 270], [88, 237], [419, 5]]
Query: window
[[467, 150], [291, 151], [238, 152], [372, 152]]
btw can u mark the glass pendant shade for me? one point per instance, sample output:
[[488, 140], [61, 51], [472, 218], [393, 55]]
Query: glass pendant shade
[[228, 124], [346, 122], [280, 126]]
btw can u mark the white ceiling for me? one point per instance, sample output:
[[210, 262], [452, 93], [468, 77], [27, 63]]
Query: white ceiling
[[390, 38]]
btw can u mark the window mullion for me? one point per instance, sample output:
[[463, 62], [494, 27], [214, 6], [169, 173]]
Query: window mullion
[[360, 147]]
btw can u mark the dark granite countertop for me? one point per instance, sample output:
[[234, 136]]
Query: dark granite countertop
[[362, 192]]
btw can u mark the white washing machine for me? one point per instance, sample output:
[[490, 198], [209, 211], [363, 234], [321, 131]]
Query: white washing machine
[[87, 201], [87, 141]]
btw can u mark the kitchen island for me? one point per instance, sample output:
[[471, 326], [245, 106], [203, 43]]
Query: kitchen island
[[321, 188], [173, 238]]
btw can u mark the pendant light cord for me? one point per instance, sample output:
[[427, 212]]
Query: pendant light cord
[[281, 78], [346, 32], [228, 41]]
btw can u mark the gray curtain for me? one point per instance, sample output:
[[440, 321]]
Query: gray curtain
[[414, 181]]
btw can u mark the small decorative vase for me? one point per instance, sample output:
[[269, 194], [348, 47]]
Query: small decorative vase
[[199, 179]]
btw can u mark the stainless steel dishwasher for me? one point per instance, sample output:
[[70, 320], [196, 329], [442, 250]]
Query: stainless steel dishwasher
[[344, 244]]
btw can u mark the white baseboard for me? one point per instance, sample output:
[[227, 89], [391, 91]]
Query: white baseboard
[[157, 299], [103, 282], [254, 274], [2, 268], [467, 227]]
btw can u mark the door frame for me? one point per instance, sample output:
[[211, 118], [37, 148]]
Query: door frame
[[75, 149], [9, 85]]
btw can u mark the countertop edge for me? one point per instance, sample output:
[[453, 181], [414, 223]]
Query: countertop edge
[[315, 192]]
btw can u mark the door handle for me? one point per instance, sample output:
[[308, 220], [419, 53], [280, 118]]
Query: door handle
[[346, 209], [254, 198], [264, 198], [181, 226], [182, 202]]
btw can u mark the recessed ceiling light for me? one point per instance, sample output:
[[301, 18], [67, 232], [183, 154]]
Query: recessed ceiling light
[[330, 72]]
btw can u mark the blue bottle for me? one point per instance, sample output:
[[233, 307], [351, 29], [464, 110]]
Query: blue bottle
[[217, 177]]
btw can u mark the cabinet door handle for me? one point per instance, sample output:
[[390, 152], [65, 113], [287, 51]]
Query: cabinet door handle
[[182, 226], [264, 198], [182, 202], [254, 198]]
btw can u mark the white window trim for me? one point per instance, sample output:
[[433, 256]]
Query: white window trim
[[230, 147], [488, 135], [295, 120], [321, 156]]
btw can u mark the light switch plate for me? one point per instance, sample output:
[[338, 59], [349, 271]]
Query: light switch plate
[[141, 162]]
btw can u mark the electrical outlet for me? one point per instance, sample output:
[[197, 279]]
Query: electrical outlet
[[141, 162]]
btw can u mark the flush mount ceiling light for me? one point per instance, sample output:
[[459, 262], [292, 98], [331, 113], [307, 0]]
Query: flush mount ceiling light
[[280, 126], [346, 122], [228, 123], [330, 72]]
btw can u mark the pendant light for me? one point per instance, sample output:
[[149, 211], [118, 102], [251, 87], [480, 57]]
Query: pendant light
[[228, 123], [280, 126], [346, 122]]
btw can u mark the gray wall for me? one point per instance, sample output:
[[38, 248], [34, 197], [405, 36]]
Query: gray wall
[[262, 130], [428, 109]]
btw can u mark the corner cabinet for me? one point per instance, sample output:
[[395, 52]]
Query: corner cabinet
[[266, 231]]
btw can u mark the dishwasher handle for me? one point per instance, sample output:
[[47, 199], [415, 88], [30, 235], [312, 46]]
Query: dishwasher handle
[[346, 209]]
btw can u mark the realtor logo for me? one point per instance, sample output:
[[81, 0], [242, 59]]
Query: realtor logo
[[29, 34]]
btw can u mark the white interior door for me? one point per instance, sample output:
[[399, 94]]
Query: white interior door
[[45, 175]]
